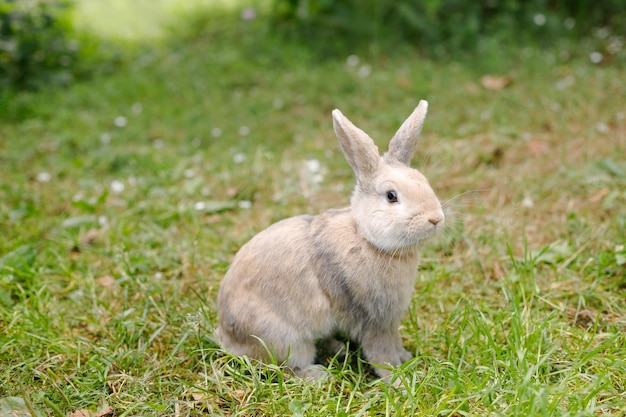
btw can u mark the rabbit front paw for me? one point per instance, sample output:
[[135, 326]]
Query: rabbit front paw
[[404, 354]]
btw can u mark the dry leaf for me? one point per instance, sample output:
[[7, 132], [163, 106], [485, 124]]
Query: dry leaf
[[403, 82], [497, 273], [105, 411], [493, 82], [201, 397], [240, 394], [198, 396], [106, 281], [81, 413], [90, 236], [216, 218], [537, 147], [599, 195]]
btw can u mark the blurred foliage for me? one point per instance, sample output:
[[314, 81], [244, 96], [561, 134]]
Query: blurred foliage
[[39, 46], [444, 25]]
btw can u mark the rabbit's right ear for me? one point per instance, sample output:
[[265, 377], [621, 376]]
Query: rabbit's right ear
[[359, 149]]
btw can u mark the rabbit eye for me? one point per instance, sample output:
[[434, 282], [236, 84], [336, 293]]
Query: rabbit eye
[[392, 196]]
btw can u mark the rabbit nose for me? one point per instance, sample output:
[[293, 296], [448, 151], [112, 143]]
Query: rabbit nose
[[435, 220]]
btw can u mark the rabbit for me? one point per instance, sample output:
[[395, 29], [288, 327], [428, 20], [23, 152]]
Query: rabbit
[[349, 270]]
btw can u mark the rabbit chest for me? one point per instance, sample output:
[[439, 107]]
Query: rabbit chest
[[365, 286]]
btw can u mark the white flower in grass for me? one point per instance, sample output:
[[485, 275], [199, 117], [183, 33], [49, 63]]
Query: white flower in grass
[[602, 33], [137, 108], [239, 158], [44, 176], [245, 204], [216, 132], [189, 173], [539, 19], [614, 45], [194, 320], [596, 57], [565, 82], [364, 71], [528, 202], [244, 131], [117, 186], [313, 165], [200, 205], [352, 61], [602, 127], [105, 138], [120, 121]]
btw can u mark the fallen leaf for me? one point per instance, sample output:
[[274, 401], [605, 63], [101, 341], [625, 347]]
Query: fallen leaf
[[216, 218], [80, 413], [232, 191], [201, 397], [240, 394], [599, 195], [106, 281], [497, 273], [537, 147], [494, 82], [90, 236], [197, 396], [105, 411], [403, 82]]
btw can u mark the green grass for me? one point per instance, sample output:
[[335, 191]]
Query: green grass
[[115, 233]]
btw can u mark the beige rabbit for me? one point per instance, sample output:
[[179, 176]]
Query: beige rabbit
[[349, 270]]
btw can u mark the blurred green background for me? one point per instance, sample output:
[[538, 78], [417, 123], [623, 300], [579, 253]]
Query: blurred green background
[[51, 42]]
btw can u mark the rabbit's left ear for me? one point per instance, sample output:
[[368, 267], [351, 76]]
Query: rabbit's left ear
[[402, 145]]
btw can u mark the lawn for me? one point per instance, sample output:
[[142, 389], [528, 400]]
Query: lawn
[[123, 199]]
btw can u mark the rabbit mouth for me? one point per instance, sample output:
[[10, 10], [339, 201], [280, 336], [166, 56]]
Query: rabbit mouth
[[404, 241], [424, 229]]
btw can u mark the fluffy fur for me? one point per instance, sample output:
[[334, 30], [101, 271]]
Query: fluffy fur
[[350, 270]]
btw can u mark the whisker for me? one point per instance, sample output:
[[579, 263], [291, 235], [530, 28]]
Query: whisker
[[475, 195], [426, 157]]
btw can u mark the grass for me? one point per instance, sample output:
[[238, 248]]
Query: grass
[[123, 200]]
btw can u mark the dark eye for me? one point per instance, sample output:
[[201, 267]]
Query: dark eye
[[392, 196]]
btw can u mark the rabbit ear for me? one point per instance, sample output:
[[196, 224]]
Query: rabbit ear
[[359, 149], [402, 145]]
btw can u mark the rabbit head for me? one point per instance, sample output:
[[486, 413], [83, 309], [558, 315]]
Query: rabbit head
[[393, 204]]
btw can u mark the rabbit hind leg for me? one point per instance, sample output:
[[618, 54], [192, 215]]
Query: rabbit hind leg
[[301, 362]]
